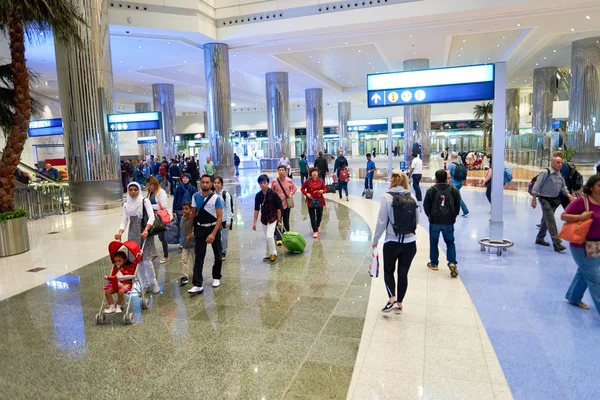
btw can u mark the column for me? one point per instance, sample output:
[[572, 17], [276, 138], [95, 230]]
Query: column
[[164, 102], [417, 118], [314, 121], [278, 117], [544, 92], [218, 104], [496, 217], [86, 97], [584, 106], [144, 149], [513, 104], [344, 115]]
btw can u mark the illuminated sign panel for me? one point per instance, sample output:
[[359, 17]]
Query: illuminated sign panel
[[146, 139], [442, 85], [46, 127], [364, 125], [134, 122]]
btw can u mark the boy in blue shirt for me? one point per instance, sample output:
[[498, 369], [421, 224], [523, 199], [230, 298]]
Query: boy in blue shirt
[[370, 173]]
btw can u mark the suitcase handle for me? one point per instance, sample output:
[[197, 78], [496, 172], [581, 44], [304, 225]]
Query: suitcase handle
[[281, 229]]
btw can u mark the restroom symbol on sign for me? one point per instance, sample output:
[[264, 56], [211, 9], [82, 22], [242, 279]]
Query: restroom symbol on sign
[[393, 97]]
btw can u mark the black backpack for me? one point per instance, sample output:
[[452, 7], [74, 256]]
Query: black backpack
[[460, 172], [405, 211], [442, 196], [230, 200], [533, 181], [575, 178]]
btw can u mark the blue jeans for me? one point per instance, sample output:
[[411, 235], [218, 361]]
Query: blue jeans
[[434, 237], [237, 170], [368, 182], [342, 185], [488, 192], [463, 206], [587, 277], [416, 179]]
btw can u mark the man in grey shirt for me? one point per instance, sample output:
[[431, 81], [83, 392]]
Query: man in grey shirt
[[548, 187]]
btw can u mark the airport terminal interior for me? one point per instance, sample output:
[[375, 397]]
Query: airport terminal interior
[[236, 89]]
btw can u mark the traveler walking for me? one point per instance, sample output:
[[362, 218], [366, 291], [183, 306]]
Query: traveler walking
[[227, 223], [269, 204], [174, 172], [588, 265], [192, 169], [339, 163], [285, 188], [236, 164], [322, 165], [303, 169], [183, 194], [343, 180], [458, 174], [207, 215], [209, 169], [158, 199], [188, 255], [313, 189], [135, 210], [442, 206], [370, 174], [548, 186], [487, 181], [398, 217], [416, 173]]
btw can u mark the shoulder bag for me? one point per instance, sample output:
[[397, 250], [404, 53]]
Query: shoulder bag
[[157, 227], [290, 198], [576, 231]]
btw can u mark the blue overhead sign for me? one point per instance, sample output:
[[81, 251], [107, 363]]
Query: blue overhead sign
[[46, 127], [366, 125], [146, 139], [441, 85], [134, 122]]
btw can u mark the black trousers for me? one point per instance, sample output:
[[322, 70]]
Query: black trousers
[[201, 233], [316, 215], [303, 177], [163, 240], [285, 215], [403, 254]]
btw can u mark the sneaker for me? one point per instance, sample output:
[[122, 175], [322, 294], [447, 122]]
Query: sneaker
[[559, 247], [223, 257], [155, 288], [315, 235], [273, 259], [347, 199], [363, 194], [432, 267], [279, 243], [398, 310], [542, 242], [466, 215], [118, 309], [216, 283], [183, 281], [267, 259], [196, 290], [388, 307], [164, 260], [110, 309], [453, 270], [180, 247]]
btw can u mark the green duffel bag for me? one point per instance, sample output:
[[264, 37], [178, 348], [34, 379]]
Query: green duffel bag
[[293, 241]]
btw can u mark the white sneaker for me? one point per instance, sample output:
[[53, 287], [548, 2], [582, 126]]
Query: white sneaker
[[216, 282], [164, 260], [110, 309], [196, 290], [155, 288], [118, 309]]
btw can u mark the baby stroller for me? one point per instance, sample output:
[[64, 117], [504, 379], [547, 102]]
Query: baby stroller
[[134, 254]]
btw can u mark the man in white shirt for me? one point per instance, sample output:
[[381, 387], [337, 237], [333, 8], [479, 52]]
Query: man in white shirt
[[285, 162], [416, 173]]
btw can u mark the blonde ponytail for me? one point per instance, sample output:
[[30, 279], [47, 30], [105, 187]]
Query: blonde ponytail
[[399, 179]]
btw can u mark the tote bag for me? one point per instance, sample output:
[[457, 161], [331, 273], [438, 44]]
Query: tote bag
[[576, 231]]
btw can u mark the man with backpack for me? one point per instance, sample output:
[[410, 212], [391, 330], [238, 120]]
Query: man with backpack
[[442, 206], [458, 174]]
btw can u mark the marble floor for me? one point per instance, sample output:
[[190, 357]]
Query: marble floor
[[308, 327]]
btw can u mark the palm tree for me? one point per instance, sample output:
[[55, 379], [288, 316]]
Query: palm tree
[[21, 19], [7, 98], [485, 110]]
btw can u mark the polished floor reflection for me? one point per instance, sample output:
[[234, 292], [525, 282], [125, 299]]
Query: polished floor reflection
[[291, 330]]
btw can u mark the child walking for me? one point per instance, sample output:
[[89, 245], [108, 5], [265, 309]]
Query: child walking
[[119, 282], [343, 181], [188, 254]]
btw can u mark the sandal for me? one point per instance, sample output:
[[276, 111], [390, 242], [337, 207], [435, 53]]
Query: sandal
[[580, 305]]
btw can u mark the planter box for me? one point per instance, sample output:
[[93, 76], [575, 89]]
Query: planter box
[[14, 237]]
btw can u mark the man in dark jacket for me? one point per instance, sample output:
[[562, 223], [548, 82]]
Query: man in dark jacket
[[340, 163], [174, 172], [236, 163], [192, 169], [442, 206], [321, 165]]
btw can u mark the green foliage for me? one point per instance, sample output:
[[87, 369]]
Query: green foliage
[[7, 98], [12, 215], [569, 153]]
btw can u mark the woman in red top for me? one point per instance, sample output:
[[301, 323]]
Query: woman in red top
[[313, 189], [120, 282]]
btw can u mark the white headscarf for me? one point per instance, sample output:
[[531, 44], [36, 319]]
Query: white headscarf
[[134, 204]]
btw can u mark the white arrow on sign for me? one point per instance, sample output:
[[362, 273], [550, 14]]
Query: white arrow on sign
[[376, 98]]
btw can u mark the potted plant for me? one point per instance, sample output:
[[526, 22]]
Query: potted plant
[[485, 110], [21, 19]]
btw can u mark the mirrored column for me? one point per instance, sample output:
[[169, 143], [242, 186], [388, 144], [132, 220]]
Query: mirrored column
[[278, 117], [584, 106], [417, 119], [344, 115], [544, 94], [86, 97], [218, 104], [164, 102], [314, 121], [513, 105]]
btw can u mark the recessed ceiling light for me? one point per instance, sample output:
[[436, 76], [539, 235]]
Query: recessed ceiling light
[[518, 24], [142, 80], [503, 37], [536, 64], [572, 29], [144, 92], [179, 70], [168, 55], [587, 17], [41, 33], [414, 54], [554, 51], [489, 58], [184, 61], [319, 62], [168, 42], [139, 47], [497, 45], [346, 43], [310, 56], [129, 91], [410, 35], [232, 104], [36, 85], [289, 49], [459, 55], [360, 51], [120, 62], [464, 41], [141, 66], [461, 48], [545, 58]]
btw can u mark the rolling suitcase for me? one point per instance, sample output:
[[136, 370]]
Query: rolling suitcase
[[332, 187], [368, 193], [293, 241]]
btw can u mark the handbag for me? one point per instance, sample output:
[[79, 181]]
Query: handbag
[[592, 248], [290, 198], [156, 228], [576, 231], [164, 215], [315, 203]]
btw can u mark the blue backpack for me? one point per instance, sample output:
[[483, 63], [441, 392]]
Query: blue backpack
[[507, 175]]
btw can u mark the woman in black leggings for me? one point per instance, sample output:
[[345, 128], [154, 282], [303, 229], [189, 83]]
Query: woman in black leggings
[[400, 249]]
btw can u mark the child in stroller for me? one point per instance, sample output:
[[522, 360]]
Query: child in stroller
[[120, 281]]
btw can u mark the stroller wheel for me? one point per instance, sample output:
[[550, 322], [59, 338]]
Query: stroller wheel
[[142, 304], [130, 319], [146, 303], [98, 320]]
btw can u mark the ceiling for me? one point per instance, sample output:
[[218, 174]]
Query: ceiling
[[335, 60]]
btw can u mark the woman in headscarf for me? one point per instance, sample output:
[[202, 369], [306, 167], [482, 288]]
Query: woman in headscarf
[[133, 211]]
